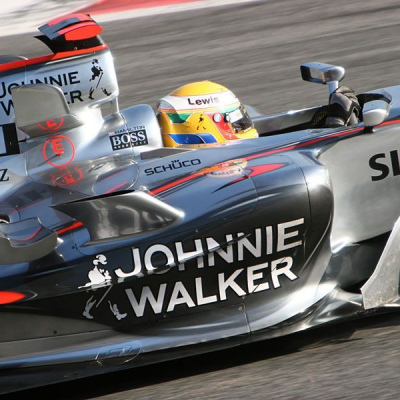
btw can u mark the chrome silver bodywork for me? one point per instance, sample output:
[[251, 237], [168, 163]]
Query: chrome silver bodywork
[[116, 252]]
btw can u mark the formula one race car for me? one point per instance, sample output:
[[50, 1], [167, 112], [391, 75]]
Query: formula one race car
[[116, 251]]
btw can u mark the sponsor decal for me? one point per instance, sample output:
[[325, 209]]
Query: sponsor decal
[[62, 80], [98, 277], [281, 241], [94, 302], [157, 300], [97, 75], [67, 176], [130, 137], [51, 125], [115, 311], [206, 252], [385, 164], [58, 151], [257, 278], [4, 175], [200, 123], [176, 164], [226, 169], [89, 304]]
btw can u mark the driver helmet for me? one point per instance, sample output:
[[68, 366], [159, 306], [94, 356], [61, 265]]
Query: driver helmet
[[203, 113]]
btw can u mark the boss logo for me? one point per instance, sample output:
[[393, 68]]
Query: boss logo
[[129, 139]]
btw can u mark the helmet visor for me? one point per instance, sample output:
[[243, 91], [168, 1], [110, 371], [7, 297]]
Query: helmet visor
[[239, 120]]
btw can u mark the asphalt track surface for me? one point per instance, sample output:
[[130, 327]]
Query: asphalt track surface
[[255, 49]]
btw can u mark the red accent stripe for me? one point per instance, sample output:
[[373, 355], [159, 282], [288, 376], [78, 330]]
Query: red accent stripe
[[175, 183], [264, 169], [84, 30], [116, 187], [50, 57], [10, 297], [70, 228], [32, 236], [269, 152], [393, 121], [256, 171], [287, 148], [304, 144]]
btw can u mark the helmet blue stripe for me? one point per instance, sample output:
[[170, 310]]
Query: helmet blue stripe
[[193, 138]]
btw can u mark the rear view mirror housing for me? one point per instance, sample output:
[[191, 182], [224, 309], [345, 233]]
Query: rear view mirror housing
[[375, 112], [324, 74]]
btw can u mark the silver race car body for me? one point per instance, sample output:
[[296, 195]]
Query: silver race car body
[[116, 252]]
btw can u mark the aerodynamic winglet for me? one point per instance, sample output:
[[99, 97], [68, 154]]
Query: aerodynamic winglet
[[114, 217], [382, 288], [41, 109], [25, 241]]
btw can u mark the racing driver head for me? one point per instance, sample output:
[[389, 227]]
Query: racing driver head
[[203, 113]]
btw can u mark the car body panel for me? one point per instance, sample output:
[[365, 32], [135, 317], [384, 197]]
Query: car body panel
[[120, 252]]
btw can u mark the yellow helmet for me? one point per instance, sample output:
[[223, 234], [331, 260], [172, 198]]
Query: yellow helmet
[[203, 113]]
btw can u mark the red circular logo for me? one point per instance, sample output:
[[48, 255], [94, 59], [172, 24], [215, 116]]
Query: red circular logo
[[67, 176], [52, 125], [58, 151]]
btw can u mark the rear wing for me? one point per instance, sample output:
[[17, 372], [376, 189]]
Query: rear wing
[[71, 32]]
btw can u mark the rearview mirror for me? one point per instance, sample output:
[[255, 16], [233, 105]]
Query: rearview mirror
[[375, 112], [324, 74]]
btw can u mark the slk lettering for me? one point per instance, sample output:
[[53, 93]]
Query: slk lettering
[[384, 164]]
